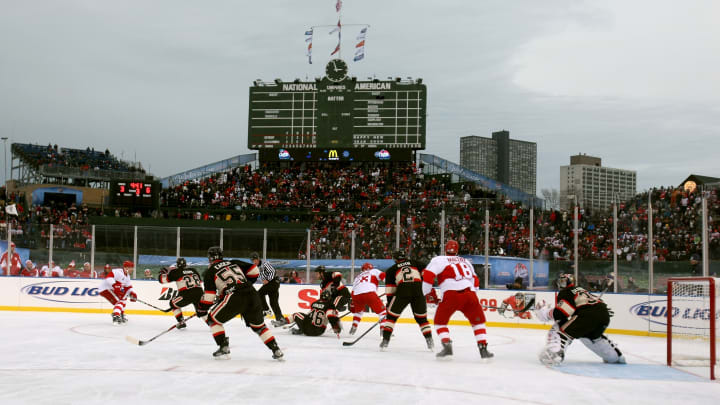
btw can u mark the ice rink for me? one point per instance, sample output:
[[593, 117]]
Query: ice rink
[[79, 358]]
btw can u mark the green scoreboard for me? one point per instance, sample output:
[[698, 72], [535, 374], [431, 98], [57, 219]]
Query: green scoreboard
[[337, 114]]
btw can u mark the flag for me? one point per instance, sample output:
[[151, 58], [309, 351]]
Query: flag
[[308, 39], [360, 44], [362, 33], [359, 51], [11, 209], [338, 5], [336, 29], [358, 57], [308, 32], [337, 49]]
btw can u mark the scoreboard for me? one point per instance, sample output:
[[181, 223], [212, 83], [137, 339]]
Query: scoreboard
[[134, 194], [337, 112]]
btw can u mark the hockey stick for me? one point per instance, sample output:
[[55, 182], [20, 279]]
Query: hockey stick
[[139, 342], [153, 306], [290, 325], [363, 335], [526, 308]]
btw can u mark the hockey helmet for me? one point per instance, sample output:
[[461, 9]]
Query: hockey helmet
[[326, 295], [367, 266], [148, 273], [320, 269], [181, 262], [107, 267], [254, 256], [452, 247], [520, 298], [566, 280], [215, 253], [128, 264], [399, 255]]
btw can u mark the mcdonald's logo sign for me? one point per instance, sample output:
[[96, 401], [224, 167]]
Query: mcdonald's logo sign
[[332, 154]]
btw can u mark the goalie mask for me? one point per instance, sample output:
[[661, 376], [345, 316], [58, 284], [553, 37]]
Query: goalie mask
[[566, 280]]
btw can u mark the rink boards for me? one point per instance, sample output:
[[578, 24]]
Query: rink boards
[[635, 314]]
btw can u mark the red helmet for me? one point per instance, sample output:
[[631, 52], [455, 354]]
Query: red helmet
[[451, 247], [107, 267], [128, 263], [366, 266]]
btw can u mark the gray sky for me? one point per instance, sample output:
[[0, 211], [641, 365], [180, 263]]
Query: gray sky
[[165, 82]]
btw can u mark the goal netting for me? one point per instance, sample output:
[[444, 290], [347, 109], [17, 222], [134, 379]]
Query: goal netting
[[692, 327]]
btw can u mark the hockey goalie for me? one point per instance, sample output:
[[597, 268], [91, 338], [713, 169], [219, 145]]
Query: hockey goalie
[[577, 314]]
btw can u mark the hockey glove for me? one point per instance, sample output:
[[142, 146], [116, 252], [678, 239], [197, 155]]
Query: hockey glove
[[502, 309], [132, 296]]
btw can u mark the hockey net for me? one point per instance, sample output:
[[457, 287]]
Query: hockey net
[[692, 328]]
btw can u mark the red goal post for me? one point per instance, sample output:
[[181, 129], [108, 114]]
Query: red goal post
[[692, 322]]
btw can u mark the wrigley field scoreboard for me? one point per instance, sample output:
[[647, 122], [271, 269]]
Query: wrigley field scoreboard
[[337, 118]]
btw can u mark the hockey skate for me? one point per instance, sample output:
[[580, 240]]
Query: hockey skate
[[337, 328], [384, 344], [484, 353], [223, 352], [116, 320], [278, 323], [277, 354], [446, 350], [352, 330], [267, 312], [429, 342], [181, 324], [296, 331], [123, 319]]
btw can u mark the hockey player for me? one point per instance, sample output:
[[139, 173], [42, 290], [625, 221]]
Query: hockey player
[[364, 294], [515, 303], [458, 285], [339, 295], [29, 270], [88, 271], [189, 287], [577, 315], [229, 292], [403, 287], [10, 261], [71, 271], [116, 287], [51, 270], [313, 323]]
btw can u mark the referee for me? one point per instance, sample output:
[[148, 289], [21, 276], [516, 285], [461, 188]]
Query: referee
[[270, 287]]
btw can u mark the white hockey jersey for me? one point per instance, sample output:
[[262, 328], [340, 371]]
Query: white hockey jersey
[[367, 281], [452, 272], [113, 277]]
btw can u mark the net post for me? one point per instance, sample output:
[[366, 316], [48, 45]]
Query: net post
[[668, 314]]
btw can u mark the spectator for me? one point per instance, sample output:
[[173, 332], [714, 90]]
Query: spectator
[[516, 285], [10, 261]]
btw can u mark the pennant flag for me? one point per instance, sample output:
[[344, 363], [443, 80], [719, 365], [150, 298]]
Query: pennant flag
[[308, 32], [337, 49], [338, 5], [11, 209], [336, 29], [358, 57], [364, 30], [362, 33], [309, 47], [308, 39], [360, 44], [359, 51]]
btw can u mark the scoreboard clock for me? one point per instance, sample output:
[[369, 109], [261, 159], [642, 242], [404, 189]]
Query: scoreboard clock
[[337, 112], [134, 194]]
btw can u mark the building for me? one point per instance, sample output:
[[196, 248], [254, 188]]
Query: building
[[593, 185], [506, 160]]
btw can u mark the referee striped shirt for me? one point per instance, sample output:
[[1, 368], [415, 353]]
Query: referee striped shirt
[[267, 271]]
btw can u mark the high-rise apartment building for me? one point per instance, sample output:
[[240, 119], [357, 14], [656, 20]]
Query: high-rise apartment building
[[592, 185], [506, 160]]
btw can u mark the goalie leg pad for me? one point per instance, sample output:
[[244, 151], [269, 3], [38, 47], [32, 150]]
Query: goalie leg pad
[[554, 351], [605, 348]]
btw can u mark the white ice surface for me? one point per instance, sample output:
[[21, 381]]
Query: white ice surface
[[76, 358]]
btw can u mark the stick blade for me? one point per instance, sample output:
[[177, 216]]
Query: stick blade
[[348, 343], [133, 340]]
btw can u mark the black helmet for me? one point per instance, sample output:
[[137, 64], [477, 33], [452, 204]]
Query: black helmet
[[399, 255], [326, 295], [181, 263], [320, 269], [215, 253], [254, 255]]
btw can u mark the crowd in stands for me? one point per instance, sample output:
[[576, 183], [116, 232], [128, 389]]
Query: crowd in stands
[[364, 199], [85, 159]]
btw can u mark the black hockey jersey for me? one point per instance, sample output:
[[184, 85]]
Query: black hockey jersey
[[574, 300], [225, 276], [184, 278], [404, 279]]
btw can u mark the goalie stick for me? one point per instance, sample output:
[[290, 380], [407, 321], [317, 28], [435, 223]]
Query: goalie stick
[[153, 306], [363, 335], [139, 342]]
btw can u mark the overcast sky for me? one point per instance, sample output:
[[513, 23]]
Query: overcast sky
[[165, 82]]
